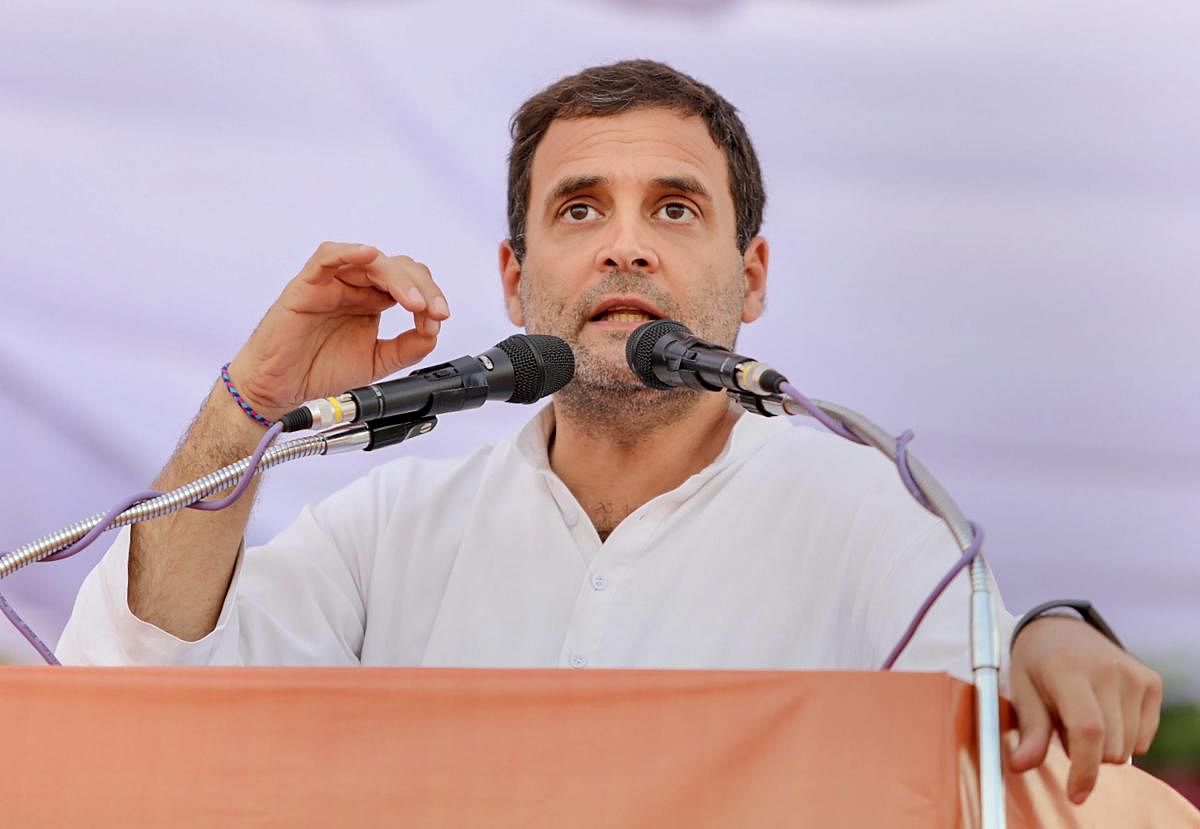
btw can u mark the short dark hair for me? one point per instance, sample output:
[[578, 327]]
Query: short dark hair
[[623, 87]]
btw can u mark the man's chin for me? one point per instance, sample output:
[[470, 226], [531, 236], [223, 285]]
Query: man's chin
[[602, 354], [609, 378], [617, 379], [605, 337], [600, 364], [618, 401]]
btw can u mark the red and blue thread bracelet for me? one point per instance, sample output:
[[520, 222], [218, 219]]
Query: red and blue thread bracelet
[[241, 401]]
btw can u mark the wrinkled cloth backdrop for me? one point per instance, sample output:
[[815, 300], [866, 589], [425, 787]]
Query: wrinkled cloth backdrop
[[985, 221]]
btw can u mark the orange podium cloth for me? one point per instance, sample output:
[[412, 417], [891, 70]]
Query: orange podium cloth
[[210, 747]]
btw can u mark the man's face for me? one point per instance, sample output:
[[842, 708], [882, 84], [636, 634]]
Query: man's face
[[630, 218]]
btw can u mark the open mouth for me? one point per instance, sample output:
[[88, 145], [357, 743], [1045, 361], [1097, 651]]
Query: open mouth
[[624, 315], [624, 311]]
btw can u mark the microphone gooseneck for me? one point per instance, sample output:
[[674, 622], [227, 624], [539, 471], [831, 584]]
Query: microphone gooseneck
[[665, 354]]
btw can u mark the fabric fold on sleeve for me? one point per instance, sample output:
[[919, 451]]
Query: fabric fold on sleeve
[[103, 630]]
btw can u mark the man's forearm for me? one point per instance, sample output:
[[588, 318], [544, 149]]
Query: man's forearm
[[180, 565], [320, 336]]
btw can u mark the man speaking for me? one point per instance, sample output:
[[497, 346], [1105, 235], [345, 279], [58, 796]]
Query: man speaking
[[623, 526]]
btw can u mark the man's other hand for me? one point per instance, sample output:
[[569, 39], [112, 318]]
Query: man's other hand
[[1104, 704]]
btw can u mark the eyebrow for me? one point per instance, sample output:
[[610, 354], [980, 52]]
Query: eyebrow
[[572, 185], [577, 184], [684, 184]]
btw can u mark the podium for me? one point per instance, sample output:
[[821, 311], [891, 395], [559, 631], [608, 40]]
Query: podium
[[236, 747]]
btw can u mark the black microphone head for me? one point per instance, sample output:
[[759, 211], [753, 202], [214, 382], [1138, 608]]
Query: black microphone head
[[639, 349], [542, 364]]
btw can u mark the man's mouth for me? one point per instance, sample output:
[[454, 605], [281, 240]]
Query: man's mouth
[[627, 311], [624, 315]]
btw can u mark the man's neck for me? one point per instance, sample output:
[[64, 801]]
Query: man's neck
[[611, 475]]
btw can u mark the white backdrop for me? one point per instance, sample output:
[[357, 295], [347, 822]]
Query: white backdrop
[[985, 221]]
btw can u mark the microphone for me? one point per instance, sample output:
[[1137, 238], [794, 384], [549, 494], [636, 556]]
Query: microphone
[[521, 369], [665, 354]]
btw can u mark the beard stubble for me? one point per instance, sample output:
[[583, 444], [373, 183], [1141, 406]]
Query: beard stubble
[[605, 398]]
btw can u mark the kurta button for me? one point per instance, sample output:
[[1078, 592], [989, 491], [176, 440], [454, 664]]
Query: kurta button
[[599, 582], [578, 660]]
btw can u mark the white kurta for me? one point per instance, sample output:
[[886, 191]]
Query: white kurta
[[794, 549]]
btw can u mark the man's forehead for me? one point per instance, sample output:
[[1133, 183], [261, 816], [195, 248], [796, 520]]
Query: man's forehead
[[652, 143]]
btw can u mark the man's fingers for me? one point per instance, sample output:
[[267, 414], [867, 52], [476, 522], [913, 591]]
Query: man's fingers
[[368, 300], [330, 256], [1151, 708], [426, 324], [1083, 723], [435, 302], [1131, 717], [1034, 722], [409, 283], [401, 352], [1115, 728], [412, 285]]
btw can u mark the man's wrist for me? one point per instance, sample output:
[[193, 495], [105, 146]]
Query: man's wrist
[[1083, 610], [256, 412], [223, 428]]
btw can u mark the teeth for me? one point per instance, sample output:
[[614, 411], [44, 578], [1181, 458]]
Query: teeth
[[626, 316]]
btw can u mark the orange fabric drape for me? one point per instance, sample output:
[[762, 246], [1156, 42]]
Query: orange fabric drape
[[530, 748]]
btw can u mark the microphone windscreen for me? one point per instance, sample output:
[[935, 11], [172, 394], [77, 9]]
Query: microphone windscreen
[[639, 349], [542, 364]]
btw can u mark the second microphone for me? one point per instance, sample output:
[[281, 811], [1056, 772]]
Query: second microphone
[[665, 354]]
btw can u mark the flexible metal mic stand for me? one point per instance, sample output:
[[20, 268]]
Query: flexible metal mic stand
[[364, 436], [985, 636]]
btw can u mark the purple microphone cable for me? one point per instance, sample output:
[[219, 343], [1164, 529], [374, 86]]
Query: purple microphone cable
[[106, 522], [900, 458]]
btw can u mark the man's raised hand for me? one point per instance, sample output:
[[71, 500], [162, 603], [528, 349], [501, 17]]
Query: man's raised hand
[[322, 335]]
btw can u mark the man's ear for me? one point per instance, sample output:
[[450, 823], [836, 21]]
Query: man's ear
[[510, 280], [754, 267]]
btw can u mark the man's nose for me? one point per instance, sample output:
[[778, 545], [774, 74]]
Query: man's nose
[[627, 247]]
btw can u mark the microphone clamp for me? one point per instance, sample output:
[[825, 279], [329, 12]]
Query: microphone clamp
[[767, 405]]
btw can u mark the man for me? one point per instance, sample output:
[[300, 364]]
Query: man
[[623, 526]]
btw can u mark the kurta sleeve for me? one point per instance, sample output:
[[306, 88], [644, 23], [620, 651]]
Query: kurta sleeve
[[297, 600], [103, 631]]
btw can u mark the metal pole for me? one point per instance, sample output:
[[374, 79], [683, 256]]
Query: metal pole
[[985, 636]]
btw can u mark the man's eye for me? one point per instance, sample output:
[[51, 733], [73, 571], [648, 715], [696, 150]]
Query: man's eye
[[579, 213], [676, 212]]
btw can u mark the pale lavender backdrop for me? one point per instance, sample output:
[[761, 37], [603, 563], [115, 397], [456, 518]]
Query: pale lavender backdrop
[[985, 221]]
